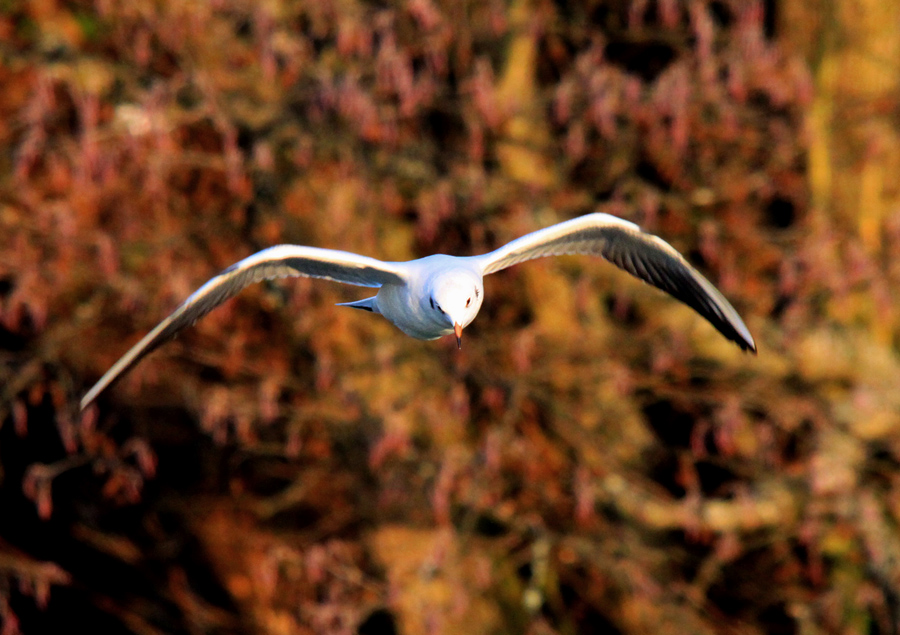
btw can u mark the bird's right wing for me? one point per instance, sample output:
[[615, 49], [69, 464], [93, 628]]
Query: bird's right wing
[[281, 261]]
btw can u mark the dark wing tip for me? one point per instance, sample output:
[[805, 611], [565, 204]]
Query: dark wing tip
[[747, 346], [656, 262]]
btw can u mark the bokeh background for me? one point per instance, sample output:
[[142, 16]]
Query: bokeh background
[[596, 458]]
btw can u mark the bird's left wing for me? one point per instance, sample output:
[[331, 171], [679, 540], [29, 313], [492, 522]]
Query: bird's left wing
[[643, 255], [281, 261]]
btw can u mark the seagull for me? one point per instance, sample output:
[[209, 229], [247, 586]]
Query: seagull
[[439, 295]]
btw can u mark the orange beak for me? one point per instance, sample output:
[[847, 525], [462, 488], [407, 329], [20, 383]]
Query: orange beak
[[458, 330]]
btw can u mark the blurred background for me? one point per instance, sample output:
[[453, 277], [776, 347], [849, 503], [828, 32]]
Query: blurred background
[[596, 458]]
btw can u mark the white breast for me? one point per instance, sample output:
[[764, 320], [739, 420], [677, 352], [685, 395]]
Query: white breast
[[403, 307]]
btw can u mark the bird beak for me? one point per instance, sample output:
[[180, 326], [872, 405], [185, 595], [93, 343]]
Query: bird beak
[[458, 330]]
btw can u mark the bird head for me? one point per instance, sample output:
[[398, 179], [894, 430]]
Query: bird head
[[456, 298]]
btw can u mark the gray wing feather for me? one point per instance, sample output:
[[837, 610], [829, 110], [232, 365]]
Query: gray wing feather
[[281, 261], [643, 255]]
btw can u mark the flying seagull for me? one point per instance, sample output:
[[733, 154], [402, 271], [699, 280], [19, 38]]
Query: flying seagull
[[439, 295]]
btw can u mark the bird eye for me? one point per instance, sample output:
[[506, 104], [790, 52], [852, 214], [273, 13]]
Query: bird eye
[[468, 302]]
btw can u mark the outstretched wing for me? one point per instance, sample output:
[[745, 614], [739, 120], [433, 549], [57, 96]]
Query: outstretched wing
[[281, 261], [643, 255]]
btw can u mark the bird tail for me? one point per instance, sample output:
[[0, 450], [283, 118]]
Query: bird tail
[[368, 304]]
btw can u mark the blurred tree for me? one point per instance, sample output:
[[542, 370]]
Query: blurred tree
[[594, 460], [854, 157]]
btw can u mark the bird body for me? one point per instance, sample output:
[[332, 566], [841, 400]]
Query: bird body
[[438, 295], [431, 283], [440, 292]]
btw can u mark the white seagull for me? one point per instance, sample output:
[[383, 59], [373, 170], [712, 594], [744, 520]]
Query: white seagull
[[438, 295]]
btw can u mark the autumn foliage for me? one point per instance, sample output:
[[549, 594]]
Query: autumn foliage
[[596, 458]]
